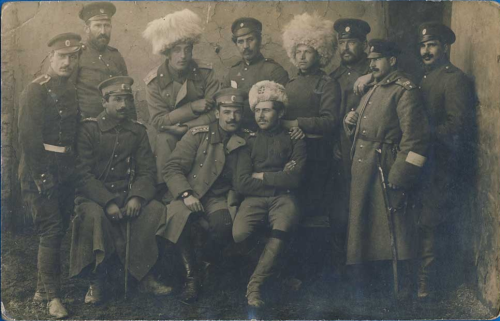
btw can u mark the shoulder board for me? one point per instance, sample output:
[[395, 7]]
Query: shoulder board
[[450, 69], [138, 123], [406, 84], [204, 64], [89, 119], [249, 132], [199, 129], [43, 79], [292, 79], [152, 75], [112, 48], [271, 61], [326, 78]]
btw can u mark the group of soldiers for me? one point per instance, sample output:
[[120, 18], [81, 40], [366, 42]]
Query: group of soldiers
[[226, 160]]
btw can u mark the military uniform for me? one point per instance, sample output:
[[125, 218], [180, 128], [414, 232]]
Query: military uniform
[[448, 96], [392, 120], [109, 152], [314, 100], [96, 65], [47, 126], [169, 97]]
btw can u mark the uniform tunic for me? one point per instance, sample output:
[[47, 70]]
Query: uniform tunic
[[314, 99], [109, 152], [391, 119], [94, 67], [341, 176], [273, 198], [449, 100], [48, 115], [244, 75], [169, 96], [197, 164]]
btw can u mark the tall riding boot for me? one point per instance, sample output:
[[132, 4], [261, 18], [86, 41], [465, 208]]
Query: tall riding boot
[[406, 279], [266, 268], [191, 287], [427, 259], [49, 266], [40, 295], [96, 292]]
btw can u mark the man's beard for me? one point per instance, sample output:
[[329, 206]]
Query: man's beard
[[100, 41]]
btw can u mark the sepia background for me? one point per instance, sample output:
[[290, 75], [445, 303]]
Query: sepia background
[[474, 237]]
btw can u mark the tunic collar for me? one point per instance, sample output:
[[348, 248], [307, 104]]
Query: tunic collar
[[278, 129], [313, 72], [165, 73], [389, 79], [235, 141], [437, 66], [256, 60], [362, 66]]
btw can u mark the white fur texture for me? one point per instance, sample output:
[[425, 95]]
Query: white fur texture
[[266, 90], [311, 30], [174, 28]]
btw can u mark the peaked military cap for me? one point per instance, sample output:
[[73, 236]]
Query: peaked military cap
[[230, 97], [435, 31], [97, 11], [246, 25], [120, 85], [65, 42], [351, 28], [383, 48]]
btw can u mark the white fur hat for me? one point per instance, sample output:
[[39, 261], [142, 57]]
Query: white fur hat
[[166, 32], [266, 90], [311, 30]]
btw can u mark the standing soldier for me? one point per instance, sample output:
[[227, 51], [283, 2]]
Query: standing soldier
[[390, 138], [352, 44], [269, 184], [449, 100], [116, 173], [98, 61], [47, 126], [314, 101], [199, 176], [253, 67], [179, 92]]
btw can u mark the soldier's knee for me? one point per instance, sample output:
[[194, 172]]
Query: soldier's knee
[[240, 232]]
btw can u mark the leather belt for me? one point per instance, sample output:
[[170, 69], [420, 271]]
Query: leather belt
[[57, 149]]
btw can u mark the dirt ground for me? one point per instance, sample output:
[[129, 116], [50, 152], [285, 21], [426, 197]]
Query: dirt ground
[[324, 294]]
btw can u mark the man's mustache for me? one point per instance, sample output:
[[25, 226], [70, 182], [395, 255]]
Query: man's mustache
[[427, 56], [374, 69], [103, 37], [247, 51], [346, 52]]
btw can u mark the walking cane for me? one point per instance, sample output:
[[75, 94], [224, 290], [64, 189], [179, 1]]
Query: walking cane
[[127, 257], [392, 234]]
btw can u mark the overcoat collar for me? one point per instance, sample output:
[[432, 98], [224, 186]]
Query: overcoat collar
[[106, 123]]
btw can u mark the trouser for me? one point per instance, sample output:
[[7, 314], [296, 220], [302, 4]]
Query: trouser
[[427, 256], [51, 217]]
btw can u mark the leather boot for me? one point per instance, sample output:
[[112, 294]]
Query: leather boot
[[266, 268], [149, 284], [427, 259], [406, 280], [191, 287], [49, 266], [40, 295], [96, 292]]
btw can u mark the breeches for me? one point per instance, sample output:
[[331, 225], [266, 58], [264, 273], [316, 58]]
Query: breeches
[[280, 212]]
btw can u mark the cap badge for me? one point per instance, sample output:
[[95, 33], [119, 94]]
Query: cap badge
[[424, 31], [233, 98], [101, 10], [242, 25], [124, 87], [67, 43], [347, 29]]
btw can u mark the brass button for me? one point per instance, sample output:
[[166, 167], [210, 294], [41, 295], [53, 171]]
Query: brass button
[[201, 165], [112, 185], [364, 131], [194, 176]]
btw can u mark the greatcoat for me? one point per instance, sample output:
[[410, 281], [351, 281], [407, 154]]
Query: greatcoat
[[392, 129]]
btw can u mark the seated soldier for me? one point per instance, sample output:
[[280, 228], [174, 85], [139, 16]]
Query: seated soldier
[[278, 161], [116, 183], [199, 176]]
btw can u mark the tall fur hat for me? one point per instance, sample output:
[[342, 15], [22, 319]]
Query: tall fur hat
[[311, 30], [166, 32], [267, 90]]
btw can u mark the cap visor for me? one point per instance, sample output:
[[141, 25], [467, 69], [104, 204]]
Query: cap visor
[[373, 55], [100, 17], [68, 50]]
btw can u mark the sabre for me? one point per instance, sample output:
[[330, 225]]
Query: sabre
[[392, 235], [127, 257]]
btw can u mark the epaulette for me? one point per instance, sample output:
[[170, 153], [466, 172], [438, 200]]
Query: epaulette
[[406, 84], [270, 60], [88, 119], [249, 132], [204, 64], [138, 123], [450, 69], [152, 75], [43, 79], [292, 79], [112, 48], [199, 129]]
